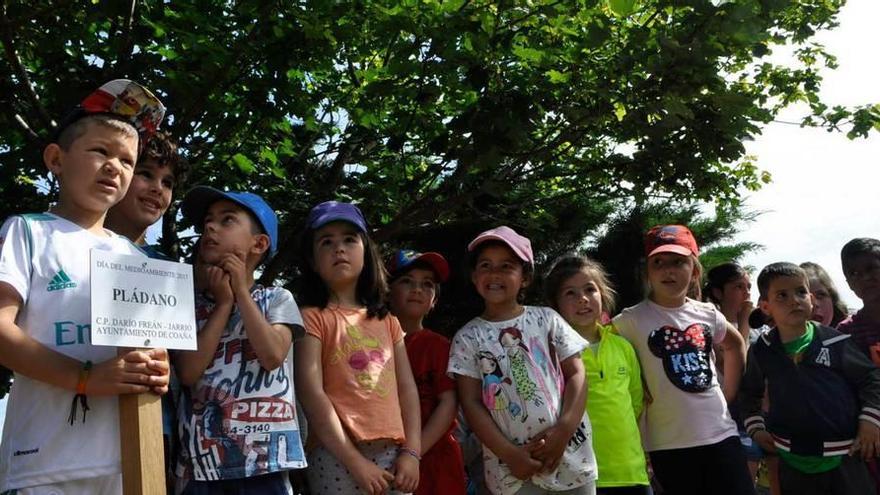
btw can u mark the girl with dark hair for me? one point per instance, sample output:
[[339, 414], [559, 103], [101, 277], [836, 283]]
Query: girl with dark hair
[[729, 288], [352, 369], [520, 379]]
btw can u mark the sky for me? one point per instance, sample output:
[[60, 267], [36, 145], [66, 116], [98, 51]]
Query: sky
[[826, 188]]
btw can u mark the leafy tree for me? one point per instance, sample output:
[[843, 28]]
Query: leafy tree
[[432, 114], [621, 252], [441, 118]]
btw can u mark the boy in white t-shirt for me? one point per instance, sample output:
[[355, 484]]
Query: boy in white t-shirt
[[238, 426], [62, 427]]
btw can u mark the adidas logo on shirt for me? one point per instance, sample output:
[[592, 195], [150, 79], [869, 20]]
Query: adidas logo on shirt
[[60, 281]]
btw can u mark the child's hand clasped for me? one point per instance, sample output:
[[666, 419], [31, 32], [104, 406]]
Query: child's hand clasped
[[234, 266], [406, 473], [219, 285], [743, 315], [548, 446], [764, 439], [371, 478], [131, 373], [867, 440], [521, 463]]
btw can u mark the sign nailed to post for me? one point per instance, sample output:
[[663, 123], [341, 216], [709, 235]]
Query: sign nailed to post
[[141, 302]]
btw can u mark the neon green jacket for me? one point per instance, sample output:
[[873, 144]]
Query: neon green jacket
[[614, 403]]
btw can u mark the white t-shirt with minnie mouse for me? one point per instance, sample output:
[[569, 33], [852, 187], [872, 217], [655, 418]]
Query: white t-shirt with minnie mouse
[[674, 346]]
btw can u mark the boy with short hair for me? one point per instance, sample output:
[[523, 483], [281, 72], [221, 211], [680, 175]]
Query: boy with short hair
[[49, 445], [860, 258], [239, 432], [414, 282], [824, 393], [159, 169]]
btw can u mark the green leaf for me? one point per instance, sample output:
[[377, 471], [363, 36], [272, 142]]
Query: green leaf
[[311, 123], [158, 31], [528, 54], [451, 5], [622, 8], [277, 172], [244, 163], [167, 53], [269, 155], [466, 42], [619, 110], [367, 118], [557, 77]]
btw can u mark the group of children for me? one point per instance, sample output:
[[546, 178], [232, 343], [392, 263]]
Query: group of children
[[562, 399]]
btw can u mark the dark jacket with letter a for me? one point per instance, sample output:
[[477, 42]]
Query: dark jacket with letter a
[[816, 403]]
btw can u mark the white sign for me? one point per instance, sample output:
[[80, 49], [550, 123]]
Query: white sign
[[141, 302]]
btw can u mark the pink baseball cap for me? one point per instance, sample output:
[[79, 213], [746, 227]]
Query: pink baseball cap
[[520, 245], [676, 239]]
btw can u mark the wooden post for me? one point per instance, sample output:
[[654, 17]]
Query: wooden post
[[143, 454], [140, 415]]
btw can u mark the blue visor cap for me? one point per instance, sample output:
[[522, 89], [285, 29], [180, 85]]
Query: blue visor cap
[[333, 211], [196, 202]]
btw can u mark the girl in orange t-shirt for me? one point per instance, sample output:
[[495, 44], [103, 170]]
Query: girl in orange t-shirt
[[352, 371]]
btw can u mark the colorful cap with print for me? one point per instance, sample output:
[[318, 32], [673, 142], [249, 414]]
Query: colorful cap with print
[[520, 245], [676, 239], [404, 258], [125, 99], [197, 201], [332, 211]]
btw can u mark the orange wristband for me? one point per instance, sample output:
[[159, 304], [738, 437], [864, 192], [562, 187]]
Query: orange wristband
[[80, 394], [83, 377]]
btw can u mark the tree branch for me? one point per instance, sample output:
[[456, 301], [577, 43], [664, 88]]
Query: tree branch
[[221, 84], [52, 8], [533, 13], [24, 81], [125, 47], [33, 136]]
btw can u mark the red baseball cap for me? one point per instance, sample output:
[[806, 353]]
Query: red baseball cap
[[404, 258], [676, 239]]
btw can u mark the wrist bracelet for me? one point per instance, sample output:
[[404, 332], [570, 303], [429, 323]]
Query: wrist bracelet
[[407, 450], [80, 393]]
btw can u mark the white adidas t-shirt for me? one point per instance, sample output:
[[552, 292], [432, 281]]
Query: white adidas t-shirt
[[46, 259], [674, 346]]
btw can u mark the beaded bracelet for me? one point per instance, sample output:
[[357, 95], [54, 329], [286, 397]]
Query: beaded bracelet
[[80, 393], [407, 450]]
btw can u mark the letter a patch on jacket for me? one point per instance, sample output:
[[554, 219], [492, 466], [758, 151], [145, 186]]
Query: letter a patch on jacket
[[824, 357]]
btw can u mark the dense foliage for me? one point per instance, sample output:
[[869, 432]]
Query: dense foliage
[[439, 117]]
